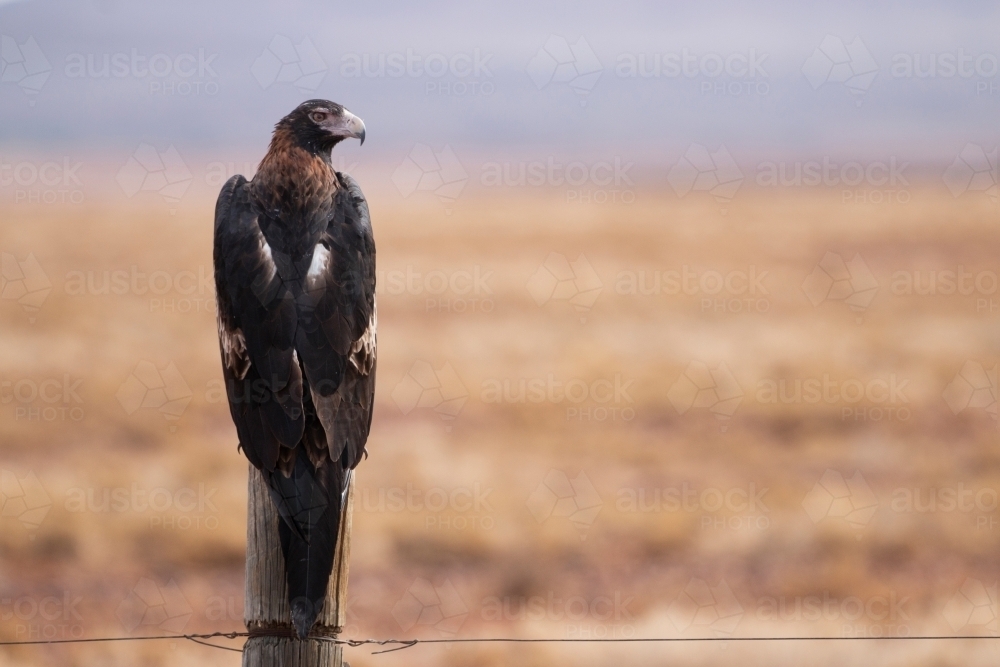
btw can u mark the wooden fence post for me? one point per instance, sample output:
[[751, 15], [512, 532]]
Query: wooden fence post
[[266, 606]]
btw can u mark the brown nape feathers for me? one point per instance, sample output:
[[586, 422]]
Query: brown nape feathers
[[291, 177]]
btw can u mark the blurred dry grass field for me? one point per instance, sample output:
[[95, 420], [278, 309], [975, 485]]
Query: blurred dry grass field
[[658, 475]]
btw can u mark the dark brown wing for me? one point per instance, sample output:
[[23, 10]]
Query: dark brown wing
[[343, 296], [257, 324]]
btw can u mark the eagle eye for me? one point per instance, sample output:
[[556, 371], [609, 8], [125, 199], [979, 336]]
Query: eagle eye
[[318, 116]]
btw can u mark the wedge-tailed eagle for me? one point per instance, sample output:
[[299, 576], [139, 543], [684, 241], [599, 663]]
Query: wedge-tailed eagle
[[295, 283]]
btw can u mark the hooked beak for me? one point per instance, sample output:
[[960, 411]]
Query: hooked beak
[[346, 125], [354, 126]]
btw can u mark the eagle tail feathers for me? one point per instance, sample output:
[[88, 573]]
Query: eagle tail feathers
[[310, 503]]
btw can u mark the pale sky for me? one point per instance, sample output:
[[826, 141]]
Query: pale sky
[[510, 78]]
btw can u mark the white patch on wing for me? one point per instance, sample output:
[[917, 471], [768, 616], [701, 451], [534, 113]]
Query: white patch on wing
[[363, 350], [318, 266], [266, 259], [234, 351]]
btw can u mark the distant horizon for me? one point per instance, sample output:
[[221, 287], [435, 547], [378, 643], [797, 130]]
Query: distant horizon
[[205, 172]]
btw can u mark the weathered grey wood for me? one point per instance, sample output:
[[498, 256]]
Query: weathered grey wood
[[266, 604]]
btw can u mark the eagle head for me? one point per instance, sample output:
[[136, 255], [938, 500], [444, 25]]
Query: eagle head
[[321, 124]]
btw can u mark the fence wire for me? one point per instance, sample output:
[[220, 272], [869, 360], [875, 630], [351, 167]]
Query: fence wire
[[400, 644]]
